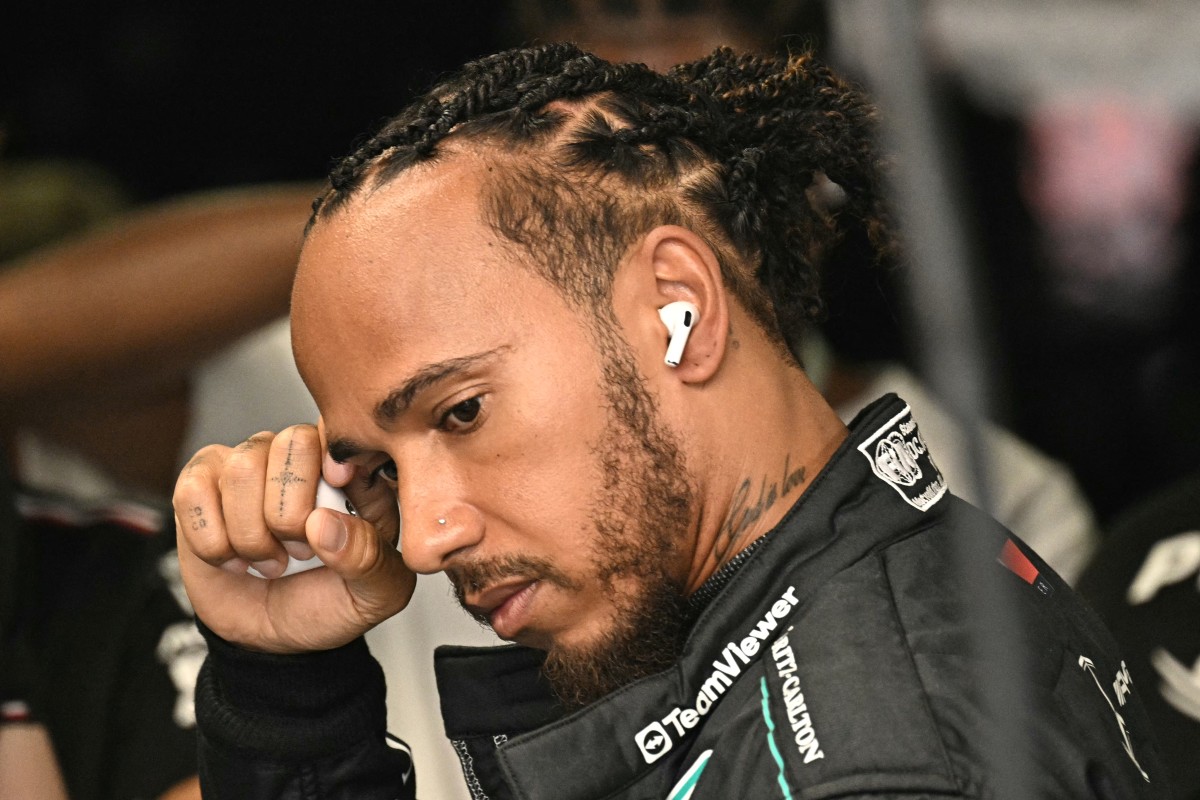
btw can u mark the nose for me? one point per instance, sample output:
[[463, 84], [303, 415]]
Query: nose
[[437, 523]]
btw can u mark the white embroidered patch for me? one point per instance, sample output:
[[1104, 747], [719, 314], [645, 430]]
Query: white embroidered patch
[[899, 457]]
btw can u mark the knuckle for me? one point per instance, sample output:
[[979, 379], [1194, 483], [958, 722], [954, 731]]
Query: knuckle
[[189, 490], [197, 475], [243, 466], [211, 553], [252, 542], [256, 441], [365, 551]]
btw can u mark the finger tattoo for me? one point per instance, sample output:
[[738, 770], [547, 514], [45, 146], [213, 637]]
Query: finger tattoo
[[286, 477]]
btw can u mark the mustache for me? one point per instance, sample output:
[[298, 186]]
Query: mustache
[[474, 576]]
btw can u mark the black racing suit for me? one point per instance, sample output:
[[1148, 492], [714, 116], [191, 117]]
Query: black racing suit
[[834, 662]]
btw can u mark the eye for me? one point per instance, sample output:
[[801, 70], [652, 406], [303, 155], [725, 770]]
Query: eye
[[386, 470], [462, 416]]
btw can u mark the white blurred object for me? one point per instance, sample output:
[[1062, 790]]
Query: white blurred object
[[1022, 53], [250, 386], [1170, 561]]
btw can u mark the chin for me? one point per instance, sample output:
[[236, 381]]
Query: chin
[[644, 638]]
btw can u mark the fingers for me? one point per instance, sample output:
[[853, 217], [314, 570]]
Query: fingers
[[254, 504], [336, 473], [243, 487], [364, 557], [292, 473], [246, 506], [197, 504]]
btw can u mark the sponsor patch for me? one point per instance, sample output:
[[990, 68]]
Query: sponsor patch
[[899, 457], [659, 736], [799, 720], [653, 741]]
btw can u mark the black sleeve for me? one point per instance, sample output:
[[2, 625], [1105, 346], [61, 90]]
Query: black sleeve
[[301, 726]]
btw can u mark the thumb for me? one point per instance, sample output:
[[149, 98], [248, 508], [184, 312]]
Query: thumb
[[375, 574]]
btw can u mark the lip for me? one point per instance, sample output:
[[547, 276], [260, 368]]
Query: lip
[[506, 605]]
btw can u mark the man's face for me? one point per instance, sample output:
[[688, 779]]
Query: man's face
[[529, 461]]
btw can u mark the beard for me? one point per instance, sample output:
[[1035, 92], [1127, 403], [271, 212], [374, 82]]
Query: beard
[[641, 512]]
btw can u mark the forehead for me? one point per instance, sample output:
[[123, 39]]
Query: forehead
[[427, 210], [404, 275]]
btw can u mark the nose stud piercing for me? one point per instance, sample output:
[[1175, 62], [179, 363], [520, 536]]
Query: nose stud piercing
[[441, 520]]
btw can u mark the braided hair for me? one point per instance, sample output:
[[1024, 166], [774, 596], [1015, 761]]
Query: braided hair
[[592, 155]]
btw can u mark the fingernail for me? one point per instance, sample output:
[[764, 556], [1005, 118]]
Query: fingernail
[[268, 569], [333, 532], [237, 566]]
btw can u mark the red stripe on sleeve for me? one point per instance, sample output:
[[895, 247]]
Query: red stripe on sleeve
[[1012, 557]]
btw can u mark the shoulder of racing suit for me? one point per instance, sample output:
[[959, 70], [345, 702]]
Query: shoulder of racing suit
[[836, 662]]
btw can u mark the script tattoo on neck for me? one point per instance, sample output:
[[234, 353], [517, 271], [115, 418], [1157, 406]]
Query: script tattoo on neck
[[743, 515]]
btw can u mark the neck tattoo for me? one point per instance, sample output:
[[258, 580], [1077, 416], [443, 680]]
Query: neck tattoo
[[743, 515]]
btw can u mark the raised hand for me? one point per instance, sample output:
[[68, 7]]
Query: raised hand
[[254, 505]]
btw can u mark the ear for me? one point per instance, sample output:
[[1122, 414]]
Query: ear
[[669, 264]]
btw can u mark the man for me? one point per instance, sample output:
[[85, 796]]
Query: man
[[1144, 585], [716, 589]]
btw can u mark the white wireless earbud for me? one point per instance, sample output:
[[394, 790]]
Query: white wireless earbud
[[679, 317]]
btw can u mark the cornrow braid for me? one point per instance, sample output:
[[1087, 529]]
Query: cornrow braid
[[593, 155], [487, 85]]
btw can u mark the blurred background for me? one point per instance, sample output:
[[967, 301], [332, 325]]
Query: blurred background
[[1069, 130], [1072, 131]]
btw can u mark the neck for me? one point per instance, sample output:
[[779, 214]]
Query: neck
[[763, 458]]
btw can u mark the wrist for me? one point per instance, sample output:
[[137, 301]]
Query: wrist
[[289, 706]]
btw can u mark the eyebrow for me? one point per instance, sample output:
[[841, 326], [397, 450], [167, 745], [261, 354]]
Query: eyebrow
[[399, 399]]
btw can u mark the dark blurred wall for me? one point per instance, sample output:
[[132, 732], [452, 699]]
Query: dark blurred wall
[[176, 96]]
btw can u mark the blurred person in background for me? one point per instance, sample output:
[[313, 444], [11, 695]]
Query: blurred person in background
[[113, 375], [103, 335], [105, 373], [28, 766], [1079, 128], [860, 350], [1145, 583]]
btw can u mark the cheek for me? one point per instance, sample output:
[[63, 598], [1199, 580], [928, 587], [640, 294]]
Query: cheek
[[540, 465]]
